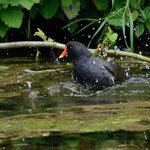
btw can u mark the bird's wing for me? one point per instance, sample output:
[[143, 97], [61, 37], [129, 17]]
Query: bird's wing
[[90, 71], [115, 69]]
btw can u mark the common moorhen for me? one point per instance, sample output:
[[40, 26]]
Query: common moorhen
[[92, 70]]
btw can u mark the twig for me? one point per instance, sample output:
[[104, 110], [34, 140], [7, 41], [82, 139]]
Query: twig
[[57, 45]]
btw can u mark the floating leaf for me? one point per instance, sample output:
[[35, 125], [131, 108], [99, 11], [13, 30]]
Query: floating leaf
[[12, 16], [49, 8], [3, 29], [66, 3], [139, 30], [101, 4], [72, 11]]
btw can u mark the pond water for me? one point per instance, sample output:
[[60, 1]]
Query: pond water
[[41, 107]]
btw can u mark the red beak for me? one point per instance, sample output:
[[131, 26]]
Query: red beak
[[64, 53]]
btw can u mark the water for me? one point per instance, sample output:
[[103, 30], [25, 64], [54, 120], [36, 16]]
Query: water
[[92, 141], [41, 107]]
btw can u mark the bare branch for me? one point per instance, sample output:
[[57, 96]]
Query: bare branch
[[57, 45]]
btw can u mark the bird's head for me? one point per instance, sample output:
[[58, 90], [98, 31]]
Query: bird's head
[[75, 50]]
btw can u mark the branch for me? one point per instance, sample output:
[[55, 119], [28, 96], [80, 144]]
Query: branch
[[10, 45], [57, 45], [129, 54]]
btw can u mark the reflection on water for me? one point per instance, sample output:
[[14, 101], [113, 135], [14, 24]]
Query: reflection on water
[[123, 140]]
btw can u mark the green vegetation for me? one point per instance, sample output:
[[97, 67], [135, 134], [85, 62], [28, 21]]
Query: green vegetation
[[118, 14]]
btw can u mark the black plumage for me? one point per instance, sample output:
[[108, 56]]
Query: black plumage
[[92, 70]]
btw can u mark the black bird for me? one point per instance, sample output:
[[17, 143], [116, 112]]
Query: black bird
[[92, 70]]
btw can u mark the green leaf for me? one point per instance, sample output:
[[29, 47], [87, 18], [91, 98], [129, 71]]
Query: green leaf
[[148, 24], [35, 1], [34, 10], [49, 8], [116, 18], [72, 11], [41, 34], [101, 4], [3, 29], [112, 37], [135, 4], [5, 1], [66, 3], [28, 3], [139, 30], [4, 6], [50, 40], [25, 3], [12, 16], [134, 15], [119, 4], [147, 12], [12, 2]]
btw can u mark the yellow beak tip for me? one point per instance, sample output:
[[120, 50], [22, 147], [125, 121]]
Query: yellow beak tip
[[61, 56]]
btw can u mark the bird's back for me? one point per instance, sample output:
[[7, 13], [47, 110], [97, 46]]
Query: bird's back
[[91, 71]]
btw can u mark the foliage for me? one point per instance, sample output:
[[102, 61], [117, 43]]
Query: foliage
[[49, 8], [42, 35], [118, 14]]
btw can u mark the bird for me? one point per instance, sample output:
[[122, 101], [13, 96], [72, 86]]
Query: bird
[[90, 70]]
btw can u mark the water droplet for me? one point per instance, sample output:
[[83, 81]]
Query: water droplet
[[96, 80], [29, 84], [108, 59], [140, 52], [146, 45], [147, 67], [93, 62], [61, 112], [115, 47], [89, 36], [18, 81]]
